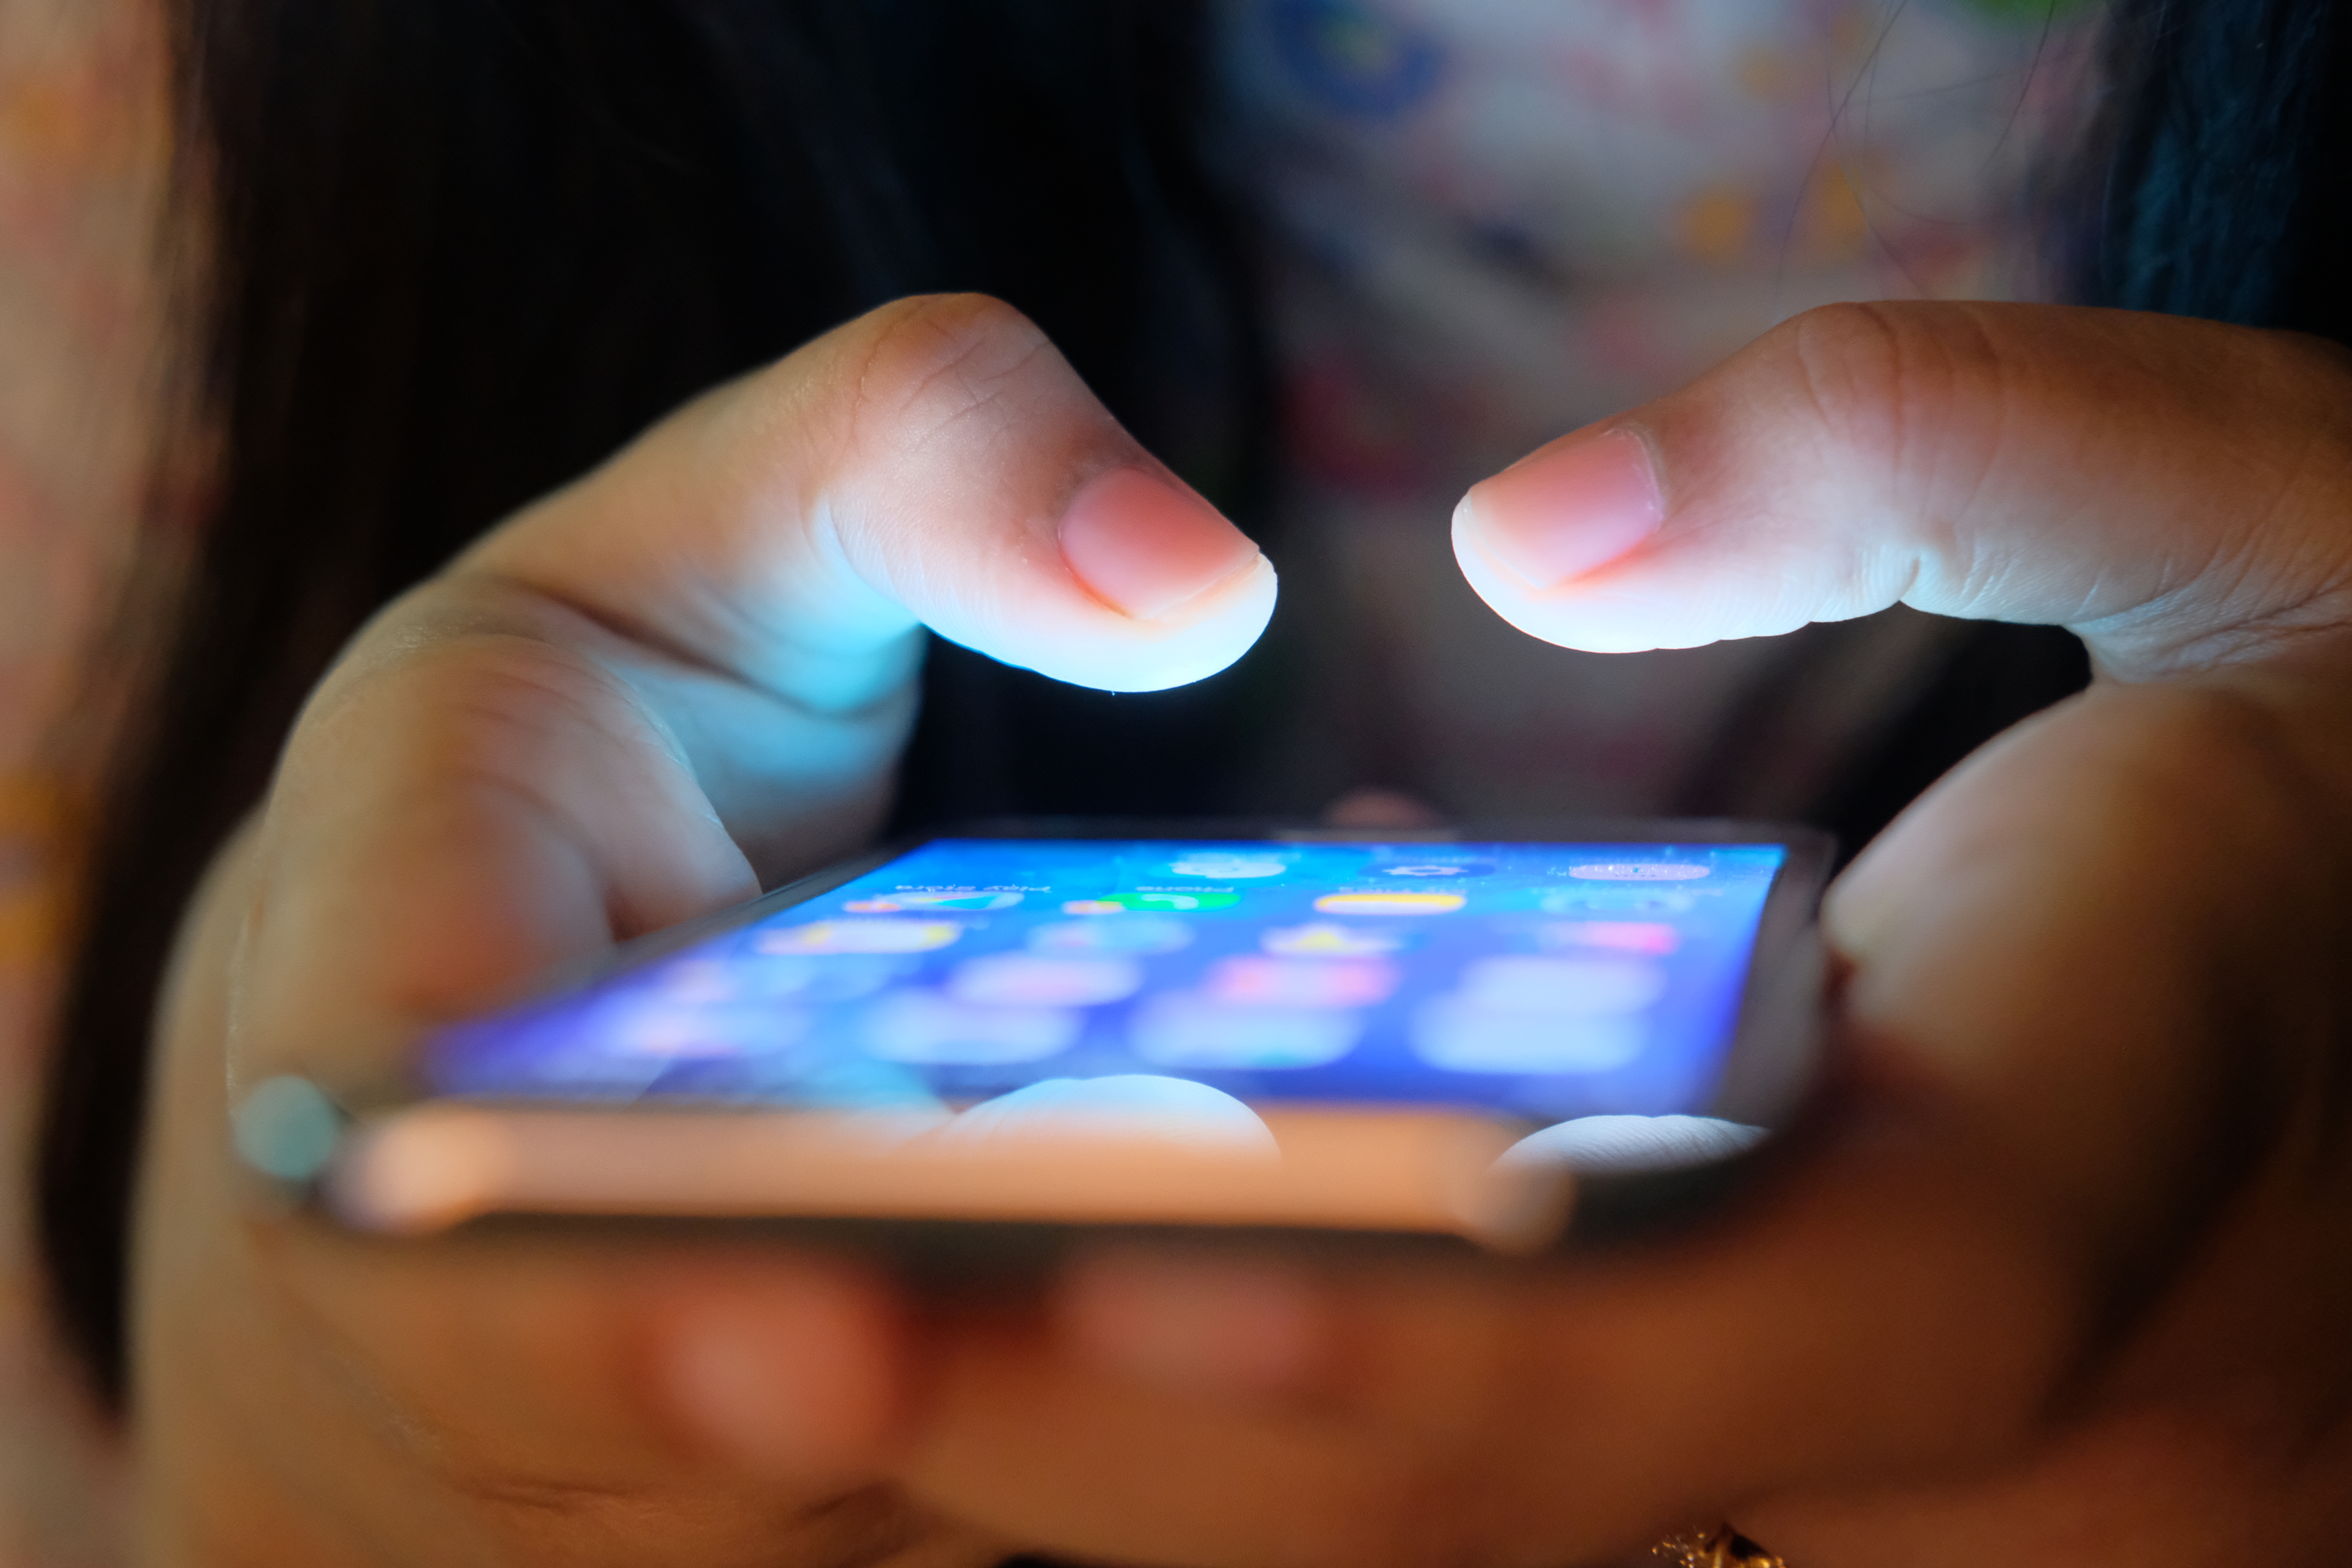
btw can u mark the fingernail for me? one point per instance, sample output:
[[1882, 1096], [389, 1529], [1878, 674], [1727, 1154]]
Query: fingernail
[[1574, 506], [1144, 545], [1240, 1328], [795, 1384]]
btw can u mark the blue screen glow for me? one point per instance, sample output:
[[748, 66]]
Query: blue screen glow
[[1542, 981]]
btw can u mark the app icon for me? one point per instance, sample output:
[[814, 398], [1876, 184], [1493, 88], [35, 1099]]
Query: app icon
[[1621, 936], [694, 982], [1599, 898], [1639, 871], [1150, 903], [925, 1027], [860, 936], [967, 902], [1389, 903], [654, 1027], [1027, 979], [1301, 981], [1229, 868], [1135, 934], [1439, 868], [818, 978], [1460, 1034], [1322, 939], [1186, 1030], [1577, 986]]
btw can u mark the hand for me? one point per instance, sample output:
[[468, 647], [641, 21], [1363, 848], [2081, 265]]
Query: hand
[[2058, 1275], [687, 673]]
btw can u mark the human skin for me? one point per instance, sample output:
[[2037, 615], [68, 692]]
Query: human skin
[[2056, 1274]]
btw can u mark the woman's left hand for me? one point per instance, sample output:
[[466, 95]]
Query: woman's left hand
[[2061, 1274]]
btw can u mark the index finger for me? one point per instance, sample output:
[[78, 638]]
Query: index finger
[[935, 462], [547, 747], [708, 642]]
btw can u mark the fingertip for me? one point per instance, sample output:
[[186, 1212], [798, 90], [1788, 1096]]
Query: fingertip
[[1555, 545], [797, 1374], [1669, 596], [1192, 642], [1216, 628], [1563, 619], [1193, 588], [1145, 545], [1571, 508]]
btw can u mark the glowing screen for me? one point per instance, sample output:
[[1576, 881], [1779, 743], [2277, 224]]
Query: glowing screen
[[1544, 980]]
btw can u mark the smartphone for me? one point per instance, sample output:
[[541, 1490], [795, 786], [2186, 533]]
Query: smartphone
[[1503, 1038]]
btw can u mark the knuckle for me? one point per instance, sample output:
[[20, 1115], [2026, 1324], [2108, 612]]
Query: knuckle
[[930, 361], [1851, 364], [479, 703], [961, 317], [1907, 402], [1889, 367]]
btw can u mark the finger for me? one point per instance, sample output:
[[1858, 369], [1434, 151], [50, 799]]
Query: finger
[[2167, 488], [450, 824], [706, 647], [790, 1368], [545, 750], [935, 462], [2033, 1130], [1878, 1322], [547, 1394]]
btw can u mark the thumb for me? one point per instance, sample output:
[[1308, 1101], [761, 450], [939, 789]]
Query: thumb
[[2166, 488]]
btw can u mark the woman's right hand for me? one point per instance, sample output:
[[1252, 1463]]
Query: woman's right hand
[[685, 676]]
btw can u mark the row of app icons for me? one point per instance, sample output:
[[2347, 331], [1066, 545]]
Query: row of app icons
[[1477, 1028], [1155, 903], [1593, 977], [1247, 869], [1314, 938], [866, 929], [1249, 866], [1272, 1011], [1608, 984]]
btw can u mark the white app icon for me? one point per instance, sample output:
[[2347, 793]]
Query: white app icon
[[1591, 986], [1638, 871], [925, 1027], [1229, 868], [1459, 1035], [1184, 1029], [1028, 979]]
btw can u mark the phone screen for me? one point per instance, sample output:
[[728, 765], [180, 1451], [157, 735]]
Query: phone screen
[[1540, 981]]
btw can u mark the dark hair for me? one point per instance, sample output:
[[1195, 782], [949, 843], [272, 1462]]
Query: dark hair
[[2224, 196], [458, 252]]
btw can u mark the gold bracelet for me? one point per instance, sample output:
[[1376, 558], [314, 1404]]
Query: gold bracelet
[[1721, 1547]]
